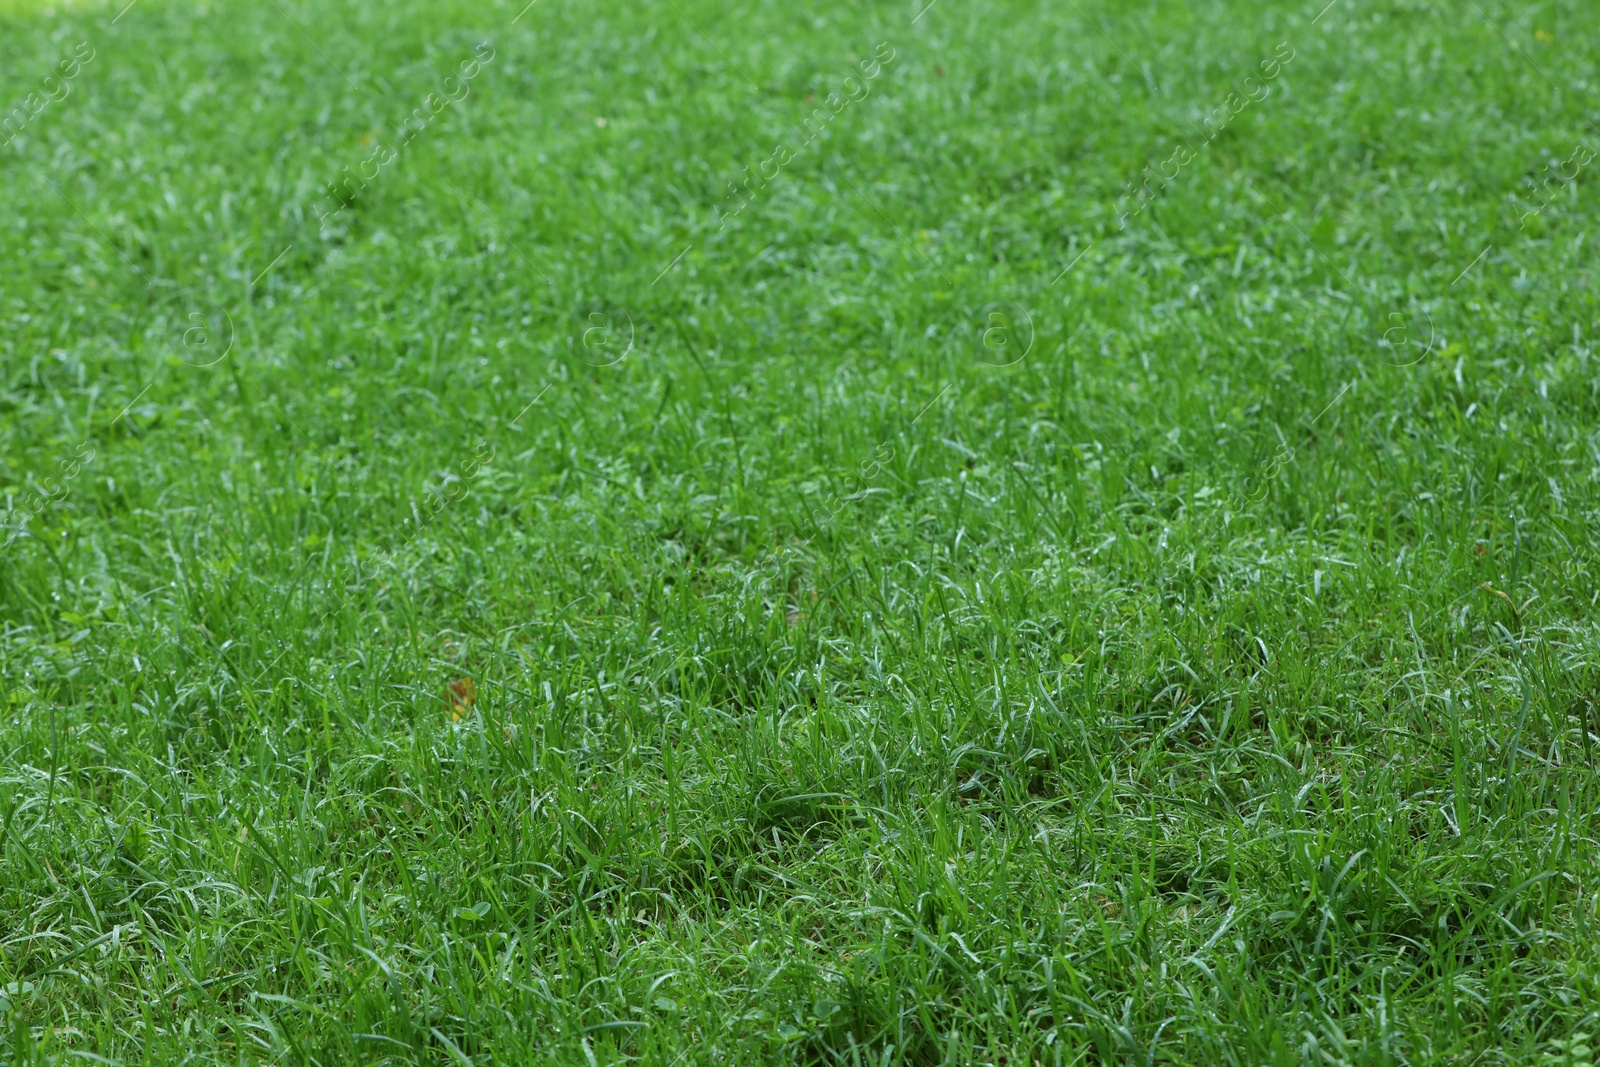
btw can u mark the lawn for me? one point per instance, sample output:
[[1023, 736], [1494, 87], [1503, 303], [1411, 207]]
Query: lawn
[[685, 532]]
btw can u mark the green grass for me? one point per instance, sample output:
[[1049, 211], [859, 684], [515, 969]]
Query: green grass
[[950, 613]]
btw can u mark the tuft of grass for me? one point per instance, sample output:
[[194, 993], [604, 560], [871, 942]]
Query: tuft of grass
[[485, 606]]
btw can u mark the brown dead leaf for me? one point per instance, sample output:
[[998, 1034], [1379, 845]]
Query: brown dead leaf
[[463, 694]]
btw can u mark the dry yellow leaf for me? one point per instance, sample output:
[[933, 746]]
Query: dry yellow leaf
[[463, 694]]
